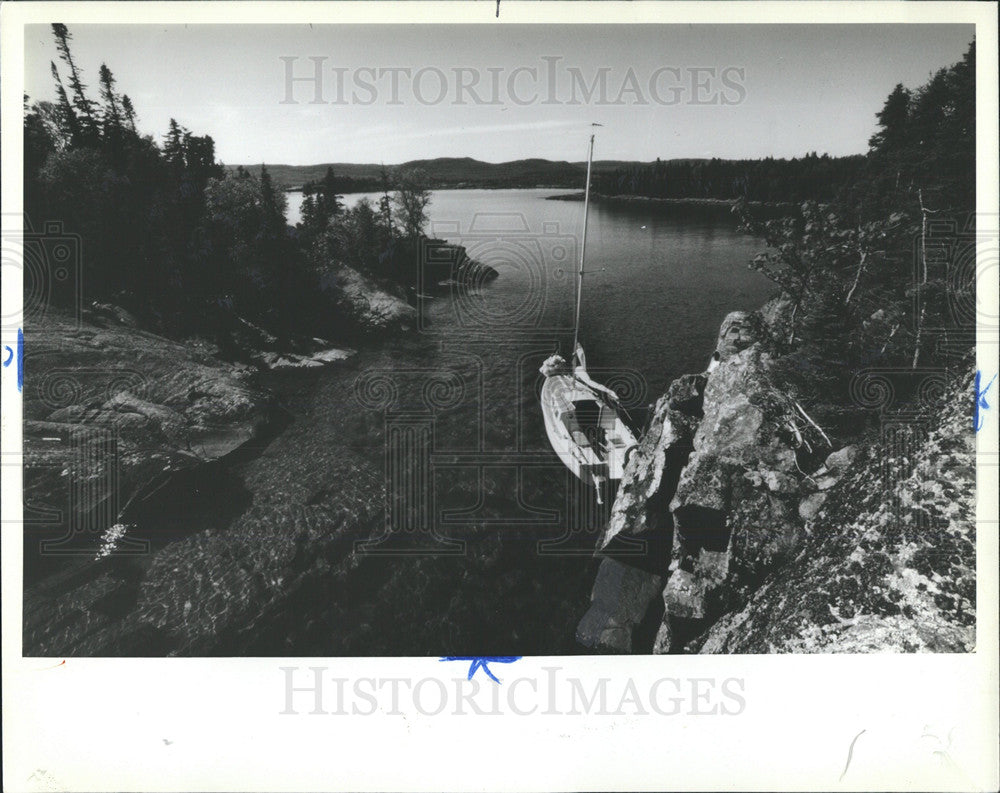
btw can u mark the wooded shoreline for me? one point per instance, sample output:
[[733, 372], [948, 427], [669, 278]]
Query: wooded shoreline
[[629, 198]]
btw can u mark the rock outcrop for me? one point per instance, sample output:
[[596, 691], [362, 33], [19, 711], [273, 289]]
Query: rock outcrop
[[291, 360], [733, 507], [421, 268], [446, 264], [639, 534], [770, 540], [888, 560], [113, 414], [375, 308]]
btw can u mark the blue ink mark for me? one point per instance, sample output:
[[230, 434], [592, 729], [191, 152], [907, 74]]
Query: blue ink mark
[[981, 403], [482, 661], [20, 358]]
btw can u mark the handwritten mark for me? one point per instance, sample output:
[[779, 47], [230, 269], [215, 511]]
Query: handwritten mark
[[482, 662], [46, 668], [20, 358], [981, 403], [850, 755], [943, 753], [498, 9], [45, 780]]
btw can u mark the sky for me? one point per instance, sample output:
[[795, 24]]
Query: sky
[[394, 93]]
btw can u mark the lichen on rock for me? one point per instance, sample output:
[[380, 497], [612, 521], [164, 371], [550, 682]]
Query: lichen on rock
[[779, 543]]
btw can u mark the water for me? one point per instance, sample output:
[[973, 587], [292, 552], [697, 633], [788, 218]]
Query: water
[[663, 279], [439, 433]]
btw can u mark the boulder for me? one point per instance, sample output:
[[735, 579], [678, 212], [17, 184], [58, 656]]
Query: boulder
[[811, 505], [839, 461], [824, 481], [640, 505], [739, 330], [691, 593], [775, 481], [621, 599], [741, 433]]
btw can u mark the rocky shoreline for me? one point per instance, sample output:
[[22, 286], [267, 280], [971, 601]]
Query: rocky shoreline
[[757, 531], [762, 536], [126, 428]]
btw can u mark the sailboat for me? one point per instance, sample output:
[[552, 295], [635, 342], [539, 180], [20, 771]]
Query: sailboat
[[583, 420]]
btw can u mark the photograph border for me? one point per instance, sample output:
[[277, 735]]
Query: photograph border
[[793, 722]]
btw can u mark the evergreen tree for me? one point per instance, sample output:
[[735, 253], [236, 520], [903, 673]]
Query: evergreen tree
[[856, 272], [129, 113], [332, 205], [173, 145], [82, 105], [892, 120], [112, 116], [70, 123]]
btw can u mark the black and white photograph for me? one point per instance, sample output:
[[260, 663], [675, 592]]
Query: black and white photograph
[[477, 342]]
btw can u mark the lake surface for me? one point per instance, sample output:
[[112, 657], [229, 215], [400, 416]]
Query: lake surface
[[663, 278], [434, 443]]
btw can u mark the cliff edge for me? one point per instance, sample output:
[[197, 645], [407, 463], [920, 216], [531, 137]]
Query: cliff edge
[[771, 537]]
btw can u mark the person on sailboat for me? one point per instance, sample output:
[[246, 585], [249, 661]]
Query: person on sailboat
[[556, 365]]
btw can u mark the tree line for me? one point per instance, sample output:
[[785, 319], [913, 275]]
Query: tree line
[[879, 275], [770, 180], [168, 234]]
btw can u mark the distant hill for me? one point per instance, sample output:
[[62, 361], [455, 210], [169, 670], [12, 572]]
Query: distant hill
[[445, 172], [768, 180]]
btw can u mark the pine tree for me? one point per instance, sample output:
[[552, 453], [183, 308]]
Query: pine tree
[[70, 123], [173, 146], [308, 212], [83, 106], [199, 157], [112, 115], [331, 203], [129, 113], [892, 120]]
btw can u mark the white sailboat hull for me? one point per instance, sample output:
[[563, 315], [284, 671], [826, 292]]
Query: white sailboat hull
[[586, 433]]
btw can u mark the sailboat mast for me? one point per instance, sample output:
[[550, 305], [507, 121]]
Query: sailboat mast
[[583, 249]]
